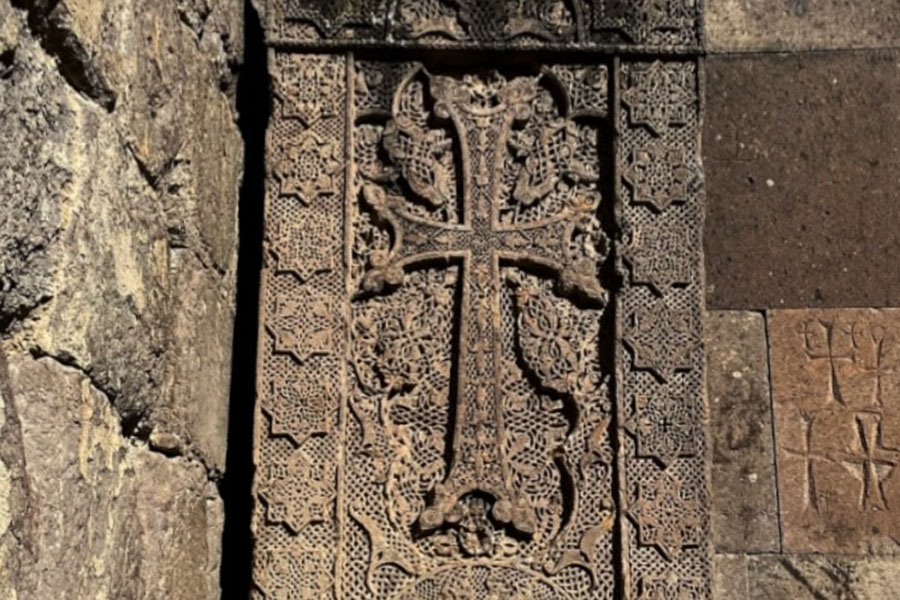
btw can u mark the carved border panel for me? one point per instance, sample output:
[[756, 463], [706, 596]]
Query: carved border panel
[[662, 408], [626, 25]]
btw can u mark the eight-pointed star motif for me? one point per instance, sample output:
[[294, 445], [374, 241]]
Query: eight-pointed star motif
[[298, 491], [666, 427], [659, 96], [303, 326], [669, 515], [301, 408], [658, 175], [661, 338], [309, 167]]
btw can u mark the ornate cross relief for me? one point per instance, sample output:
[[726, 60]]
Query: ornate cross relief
[[479, 370]]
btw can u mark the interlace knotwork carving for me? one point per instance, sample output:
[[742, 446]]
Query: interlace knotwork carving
[[299, 409], [477, 236], [658, 175], [303, 575], [662, 338], [669, 515], [298, 491], [659, 256], [671, 587], [439, 370], [306, 87], [660, 95], [304, 326], [662, 407], [640, 19], [483, 111], [309, 167], [305, 246], [665, 426], [487, 22]]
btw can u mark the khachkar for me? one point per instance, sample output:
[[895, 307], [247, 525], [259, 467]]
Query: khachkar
[[480, 373]]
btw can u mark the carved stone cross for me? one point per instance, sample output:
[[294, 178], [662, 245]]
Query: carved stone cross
[[482, 112]]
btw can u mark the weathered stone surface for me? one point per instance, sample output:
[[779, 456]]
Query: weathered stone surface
[[745, 511], [835, 375], [104, 517], [820, 578], [802, 156], [730, 577], [754, 25], [117, 267]]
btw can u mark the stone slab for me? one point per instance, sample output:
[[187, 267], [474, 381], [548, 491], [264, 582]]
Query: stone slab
[[820, 578], [754, 25], [802, 158], [745, 511], [835, 378], [730, 577]]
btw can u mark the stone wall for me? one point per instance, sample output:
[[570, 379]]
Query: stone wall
[[119, 175], [802, 158]]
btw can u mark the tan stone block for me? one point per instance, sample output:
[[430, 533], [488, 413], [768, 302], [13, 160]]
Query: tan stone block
[[835, 376], [779, 577], [730, 577], [752, 25], [745, 512]]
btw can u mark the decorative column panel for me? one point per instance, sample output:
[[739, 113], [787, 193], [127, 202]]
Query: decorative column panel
[[480, 373], [663, 463], [302, 364]]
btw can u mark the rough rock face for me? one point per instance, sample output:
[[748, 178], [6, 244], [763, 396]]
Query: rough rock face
[[119, 179]]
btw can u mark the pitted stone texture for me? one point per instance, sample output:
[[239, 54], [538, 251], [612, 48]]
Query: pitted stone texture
[[745, 511], [794, 145], [755, 25], [835, 376]]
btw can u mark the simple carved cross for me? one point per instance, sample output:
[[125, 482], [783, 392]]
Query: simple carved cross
[[480, 244], [874, 463], [828, 353]]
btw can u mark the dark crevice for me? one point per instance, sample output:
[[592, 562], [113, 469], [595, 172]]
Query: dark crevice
[[47, 20], [253, 103]]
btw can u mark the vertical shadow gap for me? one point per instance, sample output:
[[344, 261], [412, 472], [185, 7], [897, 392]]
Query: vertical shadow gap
[[254, 106]]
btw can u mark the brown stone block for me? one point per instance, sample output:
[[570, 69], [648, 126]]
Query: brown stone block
[[835, 378], [802, 159], [745, 511], [753, 25]]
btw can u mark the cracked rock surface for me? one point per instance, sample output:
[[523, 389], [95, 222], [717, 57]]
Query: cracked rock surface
[[119, 174]]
